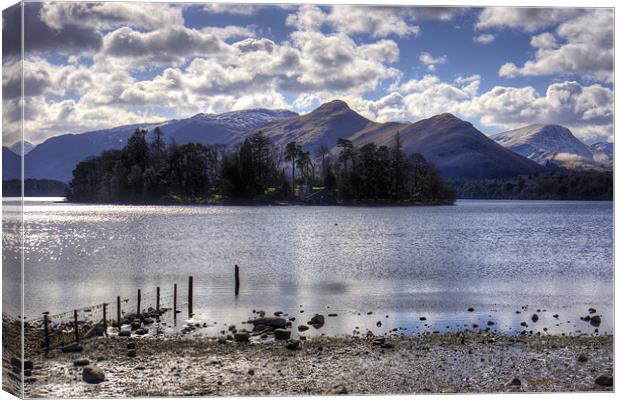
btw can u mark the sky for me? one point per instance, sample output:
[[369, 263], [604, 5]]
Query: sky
[[89, 66]]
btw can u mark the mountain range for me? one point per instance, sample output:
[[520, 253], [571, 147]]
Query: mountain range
[[555, 145], [454, 146]]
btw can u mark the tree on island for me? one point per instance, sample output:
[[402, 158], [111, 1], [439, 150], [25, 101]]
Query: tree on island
[[149, 170]]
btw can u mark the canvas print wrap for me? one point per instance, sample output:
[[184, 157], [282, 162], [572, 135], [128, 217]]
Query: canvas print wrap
[[208, 199]]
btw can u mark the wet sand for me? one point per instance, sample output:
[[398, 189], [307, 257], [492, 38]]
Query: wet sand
[[176, 365]]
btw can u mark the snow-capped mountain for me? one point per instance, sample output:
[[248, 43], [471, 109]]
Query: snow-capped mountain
[[549, 145], [603, 153], [17, 147], [56, 157]]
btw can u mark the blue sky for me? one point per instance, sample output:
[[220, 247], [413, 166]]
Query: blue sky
[[97, 65]]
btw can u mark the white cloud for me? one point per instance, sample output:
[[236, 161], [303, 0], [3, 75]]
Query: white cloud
[[587, 49], [57, 15], [430, 61], [485, 38], [545, 40], [529, 19], [377, 22]]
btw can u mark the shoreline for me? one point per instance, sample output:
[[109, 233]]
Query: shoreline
[[438, 363]]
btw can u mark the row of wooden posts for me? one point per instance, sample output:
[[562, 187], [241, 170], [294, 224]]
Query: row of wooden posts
[[190, 309]]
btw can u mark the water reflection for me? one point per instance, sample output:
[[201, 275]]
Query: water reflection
[[404, 262]]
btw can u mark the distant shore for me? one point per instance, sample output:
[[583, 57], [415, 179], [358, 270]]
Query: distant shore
[[440, 363]]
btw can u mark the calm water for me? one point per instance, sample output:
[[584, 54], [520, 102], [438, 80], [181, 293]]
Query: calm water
[[404, 262]]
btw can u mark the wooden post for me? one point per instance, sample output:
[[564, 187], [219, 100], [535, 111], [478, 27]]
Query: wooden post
[[75, 326], [157, 302], [118, 312], [46, 330], [190, 296], [236, 280], [174, 303], [105, 319], [139, 298]]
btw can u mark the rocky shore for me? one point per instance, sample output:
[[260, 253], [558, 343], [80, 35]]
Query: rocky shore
[[165, 365]]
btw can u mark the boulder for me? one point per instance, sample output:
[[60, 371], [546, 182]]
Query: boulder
[[242, 337], [293, 344], [595, 321], [124, 333], [337, 389], [142, 331], [302, 328], [470, 309], [514, 382], [317, 321], [93, 374], [282, 334], [72, 348], [135, 325], [604, 380], [272, 322], [534, 317]]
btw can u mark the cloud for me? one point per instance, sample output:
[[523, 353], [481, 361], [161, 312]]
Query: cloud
[[57, 15], [430, 61], [485, 38], [168, 46], [529, 19], [545, 40], [42, 39], [378, 22], [587, 49]]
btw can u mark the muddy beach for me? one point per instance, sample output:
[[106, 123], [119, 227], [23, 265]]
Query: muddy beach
[[441, 363]]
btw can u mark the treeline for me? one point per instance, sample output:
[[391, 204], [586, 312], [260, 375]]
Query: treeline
[[554, 185], [148, 170], [34, 188]]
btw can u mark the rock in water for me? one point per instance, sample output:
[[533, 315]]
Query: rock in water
[[470, 309], [591, 310], [535, 317], [273, 322], [282, 334], [604, 380], [338, 389], [317, 321], [93, 374], [595, 321], [242, 337], [302, 328]]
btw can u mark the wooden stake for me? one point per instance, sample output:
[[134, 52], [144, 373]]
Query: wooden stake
[[174, 304], [75, 326], [47, 332], [105, 319], [236, 280], [190, 297], [157, 302], [118, 312]]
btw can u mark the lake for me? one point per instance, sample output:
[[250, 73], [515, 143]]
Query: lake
[[398, 263]]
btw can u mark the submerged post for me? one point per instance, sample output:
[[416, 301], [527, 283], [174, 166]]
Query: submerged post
[[236, 280], [118, 312], [190, 296], [75, 326], [139, 299], [105, 319], [157, 302], [46, 330], [174, 303]]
